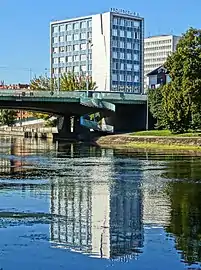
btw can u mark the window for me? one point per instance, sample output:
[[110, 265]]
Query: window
[[114, 54], [62, 60], [62, 28], [136, 23], [69, 38], [61, 39], [83, 46], [136, 46], [56, 60], [136, 78], [129, 78], [68, 69], [90, 56], [83, 25], [114, 43], [89, 34], [83, 57], [62, 49], [62, 70], [122, 77], [129, 45], [90, 67], [129, 57], [122, 34], [89, 24], [55, 50], [83, 68], [76, 58], [76, 47], [114, 32], [122, 55], [115, 65], [76, 26], [122, 45], [55, 29], [55, 70], [76, 69], [75, 37], [136, 57], [83, 36], [122, 22], [69, 27], [69, 59], [129, 67], [55, 40], [68, 48], [129, 34], [136, 35], [122, 66], [114, 77], [129, 23], [115, 21], [136, 68]]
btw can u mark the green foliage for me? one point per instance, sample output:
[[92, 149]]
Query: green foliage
[[177, 105], [71, 82], [8, 117]]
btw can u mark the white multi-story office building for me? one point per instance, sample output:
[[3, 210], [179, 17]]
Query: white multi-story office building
[[108, 46], [156, 51]]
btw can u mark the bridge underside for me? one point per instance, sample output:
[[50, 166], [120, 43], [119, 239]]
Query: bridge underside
[[126, 118]]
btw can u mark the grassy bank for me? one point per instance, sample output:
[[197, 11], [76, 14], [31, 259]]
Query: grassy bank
[[165, 133]]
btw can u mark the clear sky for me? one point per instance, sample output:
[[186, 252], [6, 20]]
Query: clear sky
[[24, 27]]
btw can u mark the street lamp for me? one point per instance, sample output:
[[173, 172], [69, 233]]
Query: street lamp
[[88, 43], [147, 111]]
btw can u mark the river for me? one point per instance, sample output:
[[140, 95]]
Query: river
[[74, 206]]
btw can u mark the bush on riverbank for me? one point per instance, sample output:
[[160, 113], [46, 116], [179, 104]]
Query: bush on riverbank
[[165, 133]]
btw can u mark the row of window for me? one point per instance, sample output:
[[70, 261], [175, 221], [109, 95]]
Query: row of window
[[151, 67], [127, 45], [160, 48], [76, 69], [126, 56], [125, 78], [70, 48], [161, 53], [126, 22], [125, 67], [158, 59], [70, 58], [71, 26], [124, 33], [125, 88], [77, 36], [153, 43]]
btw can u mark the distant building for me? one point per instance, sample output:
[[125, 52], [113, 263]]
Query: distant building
[[156, 51], [157, 77], [107, 46]]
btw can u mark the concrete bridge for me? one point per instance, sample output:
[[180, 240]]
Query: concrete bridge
[[120, 112]]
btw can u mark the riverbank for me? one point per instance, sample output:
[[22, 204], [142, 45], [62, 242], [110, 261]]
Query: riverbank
[[131, 143]]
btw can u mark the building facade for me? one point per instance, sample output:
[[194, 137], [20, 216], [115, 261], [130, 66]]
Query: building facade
[[157, 77], [156, 51], [108, 46]]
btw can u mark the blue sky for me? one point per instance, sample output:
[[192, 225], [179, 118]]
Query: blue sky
[[24, 27]]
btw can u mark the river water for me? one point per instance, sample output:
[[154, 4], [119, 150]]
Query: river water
[[73, 206]]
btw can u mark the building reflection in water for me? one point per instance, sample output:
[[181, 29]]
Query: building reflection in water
[[96, 214]]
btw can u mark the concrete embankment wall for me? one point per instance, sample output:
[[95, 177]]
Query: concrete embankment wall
[[29, 132], [125, 139]]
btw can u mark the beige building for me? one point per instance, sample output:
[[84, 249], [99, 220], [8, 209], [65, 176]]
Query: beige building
[[156, 51]]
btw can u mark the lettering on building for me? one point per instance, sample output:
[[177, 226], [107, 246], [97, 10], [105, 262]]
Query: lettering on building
[[123, 11]]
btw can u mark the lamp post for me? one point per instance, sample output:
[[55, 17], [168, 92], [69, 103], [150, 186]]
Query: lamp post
[[147, 111], [88, 43]]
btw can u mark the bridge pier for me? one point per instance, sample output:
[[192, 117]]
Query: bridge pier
[[127, 118]]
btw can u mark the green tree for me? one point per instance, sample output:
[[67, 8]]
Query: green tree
[[182, 97], [155, 99], [70, 82], [8, 117]]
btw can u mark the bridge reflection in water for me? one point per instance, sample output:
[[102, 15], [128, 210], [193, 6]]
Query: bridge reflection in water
[[101, 218]]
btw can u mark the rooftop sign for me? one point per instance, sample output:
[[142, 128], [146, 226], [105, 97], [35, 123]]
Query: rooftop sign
[[125, 12]]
